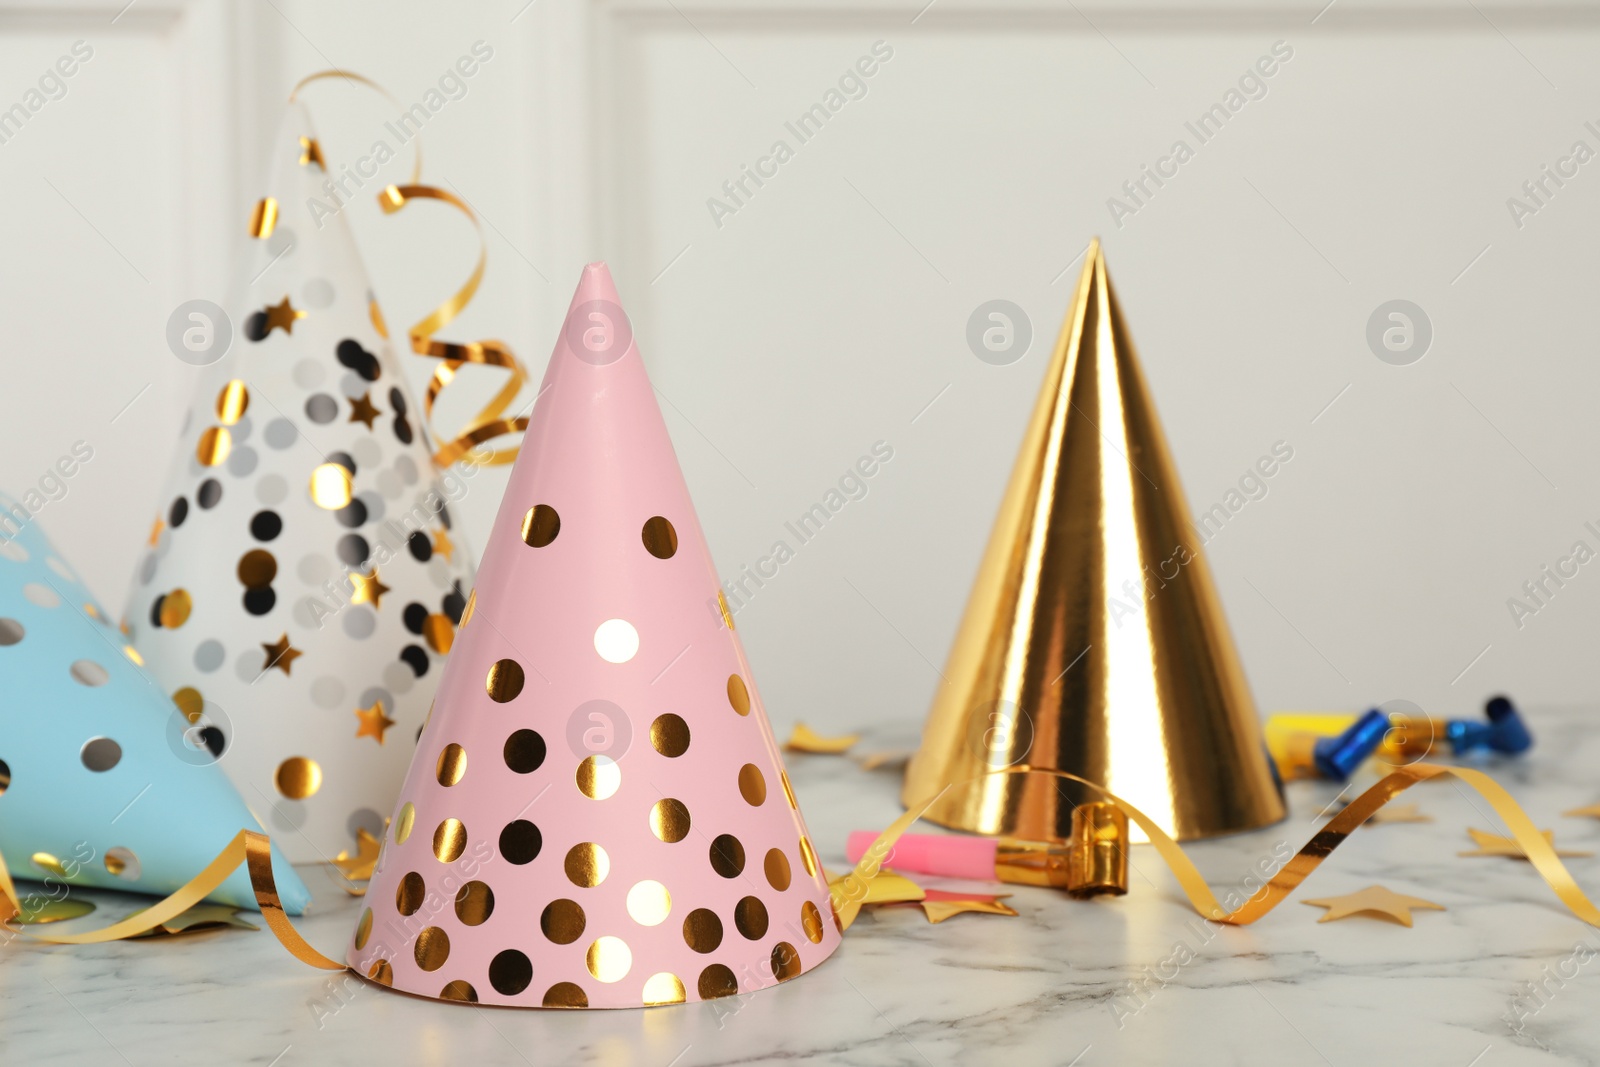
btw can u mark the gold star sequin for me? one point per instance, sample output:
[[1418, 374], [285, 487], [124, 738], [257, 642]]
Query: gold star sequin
[[1374, 900], [358, 868], [362, 409], [311, 152], [373, 721], [442, 546], [1591, 811], [1495, 845], [282, 315], [280, 654], [159, 525], [369, 590], [199, 917]]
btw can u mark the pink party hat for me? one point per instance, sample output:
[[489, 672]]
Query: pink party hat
[[597, 814]]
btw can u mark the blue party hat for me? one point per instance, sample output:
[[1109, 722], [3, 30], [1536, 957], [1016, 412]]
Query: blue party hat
[[105, 780]]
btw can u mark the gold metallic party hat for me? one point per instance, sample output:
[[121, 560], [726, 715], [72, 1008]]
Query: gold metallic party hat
[[1093, 641]]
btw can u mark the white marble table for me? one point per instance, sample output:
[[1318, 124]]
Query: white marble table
[[1049, 987]]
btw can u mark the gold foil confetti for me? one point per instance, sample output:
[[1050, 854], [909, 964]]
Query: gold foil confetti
[[1495, 845], [40, 912], [939, 905], [1376, 901], [200, 917], [358, 868], [214, 445], [440, 632], [280, 654], [298, 777], [282, 315], [175, 608], [362, 410], [373, 722], [443, 546], [330, 486], [368, 588], [232, 402], [264, 218], [311, 152], [803, 739]]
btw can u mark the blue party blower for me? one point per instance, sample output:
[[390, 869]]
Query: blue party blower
[[104, 781], [1307, 754]]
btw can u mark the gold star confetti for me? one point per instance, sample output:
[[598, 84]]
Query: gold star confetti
[[1495, 845], [1374, 900], [369, 590], [358, 868], [1591, 811], [280, 654], [1398, 813], [442, 546], [373, 721], [804, 739], [311, 152], [199, 917], [282, 315], [939, 905], [362, 410], [155, 530]]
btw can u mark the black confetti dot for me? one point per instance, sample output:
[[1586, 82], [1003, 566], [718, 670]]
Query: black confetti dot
[[421, 547], [322, 408], [454, 603], [352, 514], [397, 400], [266, 525], [260, 601], [177, 512], [212, 738], [444, 516], [402, 430], [358, 359], [209, 493], [415, 616], [255, 327], [416, 657], [155, 610], [353, 550], [345, 460]]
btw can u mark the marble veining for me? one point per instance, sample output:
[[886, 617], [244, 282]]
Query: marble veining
[[1135, 980]]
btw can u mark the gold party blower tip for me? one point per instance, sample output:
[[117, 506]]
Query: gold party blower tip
[[1093, 641]]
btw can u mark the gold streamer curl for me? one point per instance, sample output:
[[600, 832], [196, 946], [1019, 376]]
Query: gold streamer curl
[[351, 77], [247, 847], [847, 892], [491, 421]]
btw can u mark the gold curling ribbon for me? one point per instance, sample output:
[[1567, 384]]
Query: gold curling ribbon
[[848, 891], [490, 422], [352, 78], [247, 847]]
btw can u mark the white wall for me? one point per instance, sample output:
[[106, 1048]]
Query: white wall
[[829, 310]]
